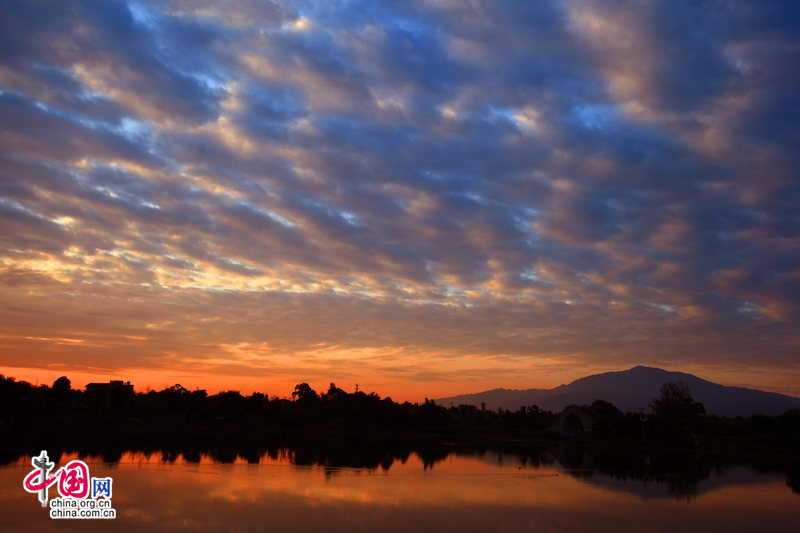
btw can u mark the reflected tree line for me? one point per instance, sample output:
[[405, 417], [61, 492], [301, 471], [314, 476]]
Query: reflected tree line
[[675, 444]]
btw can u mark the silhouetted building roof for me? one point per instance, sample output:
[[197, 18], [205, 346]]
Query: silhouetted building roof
[[113, 385]]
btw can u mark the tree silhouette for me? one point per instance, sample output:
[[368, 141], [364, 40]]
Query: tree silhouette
[[62, 384], [334, 392], [303, 393], [677, 416], [676, 402], [60, 394]]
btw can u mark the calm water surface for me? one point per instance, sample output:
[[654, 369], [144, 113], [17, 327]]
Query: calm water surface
[[488, 492]]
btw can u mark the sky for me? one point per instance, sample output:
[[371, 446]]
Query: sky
[[422, 197]]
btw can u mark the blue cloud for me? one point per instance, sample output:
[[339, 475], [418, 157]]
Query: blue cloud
[[579, 167]]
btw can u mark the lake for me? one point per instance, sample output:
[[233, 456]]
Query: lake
[[457, 490]]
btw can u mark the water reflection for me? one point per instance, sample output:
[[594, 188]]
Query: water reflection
[[682, 475], [426, 487]]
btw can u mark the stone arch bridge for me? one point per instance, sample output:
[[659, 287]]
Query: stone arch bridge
[[573, 421]]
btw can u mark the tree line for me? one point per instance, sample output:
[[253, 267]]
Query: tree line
[[674, 416]]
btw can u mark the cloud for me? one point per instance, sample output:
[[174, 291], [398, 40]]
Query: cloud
[[587, 184]]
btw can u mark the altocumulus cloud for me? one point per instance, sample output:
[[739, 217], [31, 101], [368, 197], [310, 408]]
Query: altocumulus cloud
[[441, 191]]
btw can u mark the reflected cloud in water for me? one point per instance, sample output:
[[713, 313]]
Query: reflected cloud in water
[[460, 488]]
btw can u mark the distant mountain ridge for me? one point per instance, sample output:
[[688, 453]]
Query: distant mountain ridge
[[631, 390]]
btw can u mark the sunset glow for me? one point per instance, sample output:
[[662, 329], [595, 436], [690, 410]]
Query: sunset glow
[[423, 198]]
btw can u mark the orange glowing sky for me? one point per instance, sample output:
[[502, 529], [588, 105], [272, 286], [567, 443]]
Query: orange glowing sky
[[426, 199]]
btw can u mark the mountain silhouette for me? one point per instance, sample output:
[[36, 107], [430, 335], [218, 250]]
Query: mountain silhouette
[[631, 390]]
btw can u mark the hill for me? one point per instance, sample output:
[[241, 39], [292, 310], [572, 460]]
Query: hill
[[631, 390]]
